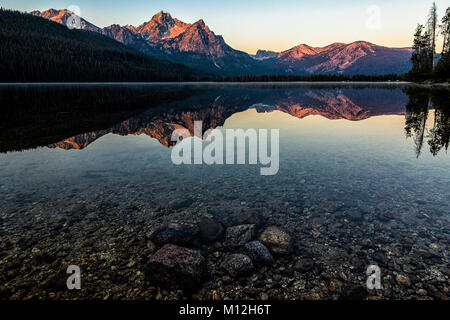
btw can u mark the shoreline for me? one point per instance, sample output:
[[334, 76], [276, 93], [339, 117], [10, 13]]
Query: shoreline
[[440, 84]]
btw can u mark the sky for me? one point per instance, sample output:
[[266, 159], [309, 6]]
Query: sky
[[249, 25]]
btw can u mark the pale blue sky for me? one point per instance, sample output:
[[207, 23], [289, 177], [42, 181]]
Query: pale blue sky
[[250, 25]]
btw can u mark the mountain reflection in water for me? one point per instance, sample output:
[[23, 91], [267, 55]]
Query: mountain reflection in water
[[214, 106]]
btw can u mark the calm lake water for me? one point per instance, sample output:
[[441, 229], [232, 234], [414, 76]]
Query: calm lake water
[[364, 178]]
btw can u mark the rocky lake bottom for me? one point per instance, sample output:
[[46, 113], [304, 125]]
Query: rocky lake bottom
[[349, 194]]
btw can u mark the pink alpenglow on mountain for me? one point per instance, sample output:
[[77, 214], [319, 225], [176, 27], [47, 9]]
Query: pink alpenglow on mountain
[[197, 46]]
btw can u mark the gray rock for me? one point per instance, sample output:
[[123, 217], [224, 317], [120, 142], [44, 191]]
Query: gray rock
[[174, 267], [237, 264], [175, 233], [258, 252], [240, 235], [211, 230], [278, 241]]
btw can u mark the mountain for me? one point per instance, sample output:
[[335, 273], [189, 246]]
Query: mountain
[[194, 45], [197, 46], [36, 50], [339, 58]]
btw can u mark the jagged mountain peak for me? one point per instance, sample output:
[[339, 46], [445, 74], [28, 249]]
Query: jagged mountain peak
[[49, 13], [161, 26], [199, 38], [200, 22], [162, 16]]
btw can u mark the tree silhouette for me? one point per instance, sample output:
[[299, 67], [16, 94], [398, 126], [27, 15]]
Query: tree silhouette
[[417, 113], [439, 136], [423, 57], [432, 26]]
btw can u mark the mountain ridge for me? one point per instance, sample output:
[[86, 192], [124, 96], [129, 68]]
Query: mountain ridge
[[38, 50], [197, 46]]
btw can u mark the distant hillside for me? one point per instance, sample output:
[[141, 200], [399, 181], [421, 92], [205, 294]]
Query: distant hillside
[[34, 49]]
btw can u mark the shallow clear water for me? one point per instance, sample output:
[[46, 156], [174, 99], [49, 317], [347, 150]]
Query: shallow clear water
[[350, 185]]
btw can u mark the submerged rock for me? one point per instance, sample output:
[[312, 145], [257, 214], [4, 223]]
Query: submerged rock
[[278, 241], [211, 230], [237, 264], [175, 233], [240, 235], [174, 267], [258, 252]]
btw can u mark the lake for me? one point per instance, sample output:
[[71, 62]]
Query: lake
[[87, 179]]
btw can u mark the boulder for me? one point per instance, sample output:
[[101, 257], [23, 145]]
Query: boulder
[[174, 267]]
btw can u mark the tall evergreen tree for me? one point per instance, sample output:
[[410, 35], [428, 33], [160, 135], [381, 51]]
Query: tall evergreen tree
[[432, 26], [417, 49], [422, 52]]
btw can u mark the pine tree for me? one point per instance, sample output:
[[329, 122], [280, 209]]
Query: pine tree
[[432, 26], [417, 49], [421, 57]]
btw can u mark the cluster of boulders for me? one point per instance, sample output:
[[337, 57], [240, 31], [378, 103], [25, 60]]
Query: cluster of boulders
[[180, 263]]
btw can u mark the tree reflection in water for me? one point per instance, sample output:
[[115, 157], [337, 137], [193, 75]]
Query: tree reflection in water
[[421, 102]]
